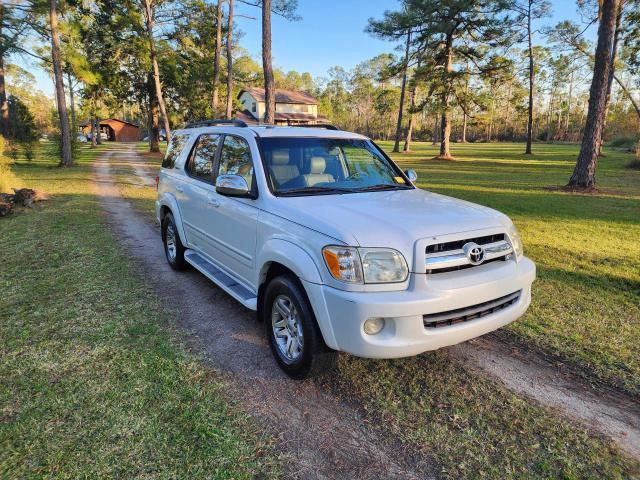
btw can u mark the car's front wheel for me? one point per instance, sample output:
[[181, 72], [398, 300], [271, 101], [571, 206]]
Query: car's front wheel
[[173, 248], [294, 337]]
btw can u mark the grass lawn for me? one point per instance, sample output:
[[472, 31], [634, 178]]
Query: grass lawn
[[470, 425], [93, 382], [585, 307], [94, 385]]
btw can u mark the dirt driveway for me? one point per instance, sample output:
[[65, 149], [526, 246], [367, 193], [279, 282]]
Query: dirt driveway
[[322, 435]]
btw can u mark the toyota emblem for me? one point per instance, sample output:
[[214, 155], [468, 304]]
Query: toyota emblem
[[474, 253]]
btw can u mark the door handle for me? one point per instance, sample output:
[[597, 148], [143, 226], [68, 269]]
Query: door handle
[[213, 202], [180, 188]]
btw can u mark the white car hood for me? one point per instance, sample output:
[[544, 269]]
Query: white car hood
[[394, 219]]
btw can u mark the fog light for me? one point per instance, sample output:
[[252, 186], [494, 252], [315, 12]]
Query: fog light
[[373, 325]]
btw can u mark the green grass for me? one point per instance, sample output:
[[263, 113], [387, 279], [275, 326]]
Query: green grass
[[585, 307], [473, 427], [93, 381]]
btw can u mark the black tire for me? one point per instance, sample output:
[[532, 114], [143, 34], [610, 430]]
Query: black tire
[[315, 357], [175, 255]]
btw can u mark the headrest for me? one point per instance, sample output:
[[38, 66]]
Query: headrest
[[318, 164], [280, 157]]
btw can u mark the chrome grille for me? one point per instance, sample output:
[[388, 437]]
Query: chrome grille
[[450, 256], [460, 315], [457, 244]]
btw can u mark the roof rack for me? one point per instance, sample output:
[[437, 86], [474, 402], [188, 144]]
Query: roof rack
[[327, 126], [214, 121]]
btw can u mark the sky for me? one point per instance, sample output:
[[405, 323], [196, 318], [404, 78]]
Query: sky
[[330, 33]]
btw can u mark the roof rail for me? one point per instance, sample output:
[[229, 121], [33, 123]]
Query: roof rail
[[327, 126], [214, 121]]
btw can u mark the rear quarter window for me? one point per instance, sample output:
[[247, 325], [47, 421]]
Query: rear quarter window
[[176, 145]]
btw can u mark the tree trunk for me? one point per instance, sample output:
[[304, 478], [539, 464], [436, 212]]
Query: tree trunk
[[98, 135], [412, 106], [508, 112], [568, 119], [584, 174], [267, 67], [396, 145], [229, 111], [72, 103], [94, 141], [436, 130], [627, 92], [464, 126], [4, 104], [445, 123], [216, 59], [612, 72], [528, 150], [153, 117], [150, 21], [66, 159]]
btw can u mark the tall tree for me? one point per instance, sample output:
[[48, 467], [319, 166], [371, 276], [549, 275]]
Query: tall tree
[[216, 59], [612, 71], [66, 159], [584, 174], [267, 67], [14, 23], [527, 11], [405, 68], [229, 110], [149, 12], [452, 32]]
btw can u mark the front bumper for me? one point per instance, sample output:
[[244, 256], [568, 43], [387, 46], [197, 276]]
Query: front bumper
[[341, 314]]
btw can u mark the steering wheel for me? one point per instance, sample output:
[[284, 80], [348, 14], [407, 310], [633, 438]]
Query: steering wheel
[[356, 176]]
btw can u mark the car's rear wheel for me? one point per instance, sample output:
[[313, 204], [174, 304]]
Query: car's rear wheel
[[292, 331], [173, 248]]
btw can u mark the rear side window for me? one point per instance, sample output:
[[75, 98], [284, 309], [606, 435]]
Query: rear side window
[[176, 145], [235, 159], [203, 157]]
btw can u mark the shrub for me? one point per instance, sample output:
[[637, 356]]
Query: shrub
[[56, 142], [7, 177], [627, 142]]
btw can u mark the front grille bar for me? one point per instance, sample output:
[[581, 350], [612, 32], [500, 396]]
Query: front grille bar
[[459, 315], [457, 258]]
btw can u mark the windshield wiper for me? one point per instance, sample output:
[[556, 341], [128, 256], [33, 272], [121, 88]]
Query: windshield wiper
[[384, 186], [312, 190]]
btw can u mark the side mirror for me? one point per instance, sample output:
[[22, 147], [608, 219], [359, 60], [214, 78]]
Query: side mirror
[[232, 186], [411, 175]]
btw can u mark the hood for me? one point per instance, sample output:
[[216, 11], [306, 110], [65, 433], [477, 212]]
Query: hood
[[394, 219]]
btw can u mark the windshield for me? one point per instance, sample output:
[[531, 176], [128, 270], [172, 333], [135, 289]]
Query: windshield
[[316, 166]]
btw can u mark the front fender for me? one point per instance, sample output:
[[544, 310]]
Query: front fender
[[305, 268], [291, 256], [169, 201]]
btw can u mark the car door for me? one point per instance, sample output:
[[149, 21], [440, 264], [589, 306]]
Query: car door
[[197, 188], [233, 221]]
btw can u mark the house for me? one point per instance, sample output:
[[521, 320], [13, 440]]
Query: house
[[292, 108], [115, 130]]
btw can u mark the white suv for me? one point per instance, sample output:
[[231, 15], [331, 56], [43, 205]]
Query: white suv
[[331, 243]]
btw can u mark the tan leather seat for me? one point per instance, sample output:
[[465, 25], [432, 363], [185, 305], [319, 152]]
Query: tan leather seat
[[281, 170], [317, 175]]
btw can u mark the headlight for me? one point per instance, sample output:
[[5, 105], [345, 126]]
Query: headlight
[[343, 263], [516, 241], [382, 265], [365, 265]]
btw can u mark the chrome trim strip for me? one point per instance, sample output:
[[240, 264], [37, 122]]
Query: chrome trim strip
[[456, 258], [472, 310]]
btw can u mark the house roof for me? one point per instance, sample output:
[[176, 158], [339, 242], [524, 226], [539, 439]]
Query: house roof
[[86, 123], [248, 117], [282, 96]]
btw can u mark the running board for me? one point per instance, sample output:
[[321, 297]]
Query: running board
[[222, 279]]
